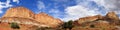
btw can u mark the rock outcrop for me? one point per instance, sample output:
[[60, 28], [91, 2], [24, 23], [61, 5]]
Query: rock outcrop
[[89, 18], [112, 16], [108, 22], [22, 15], [48, 20], [20, 12]]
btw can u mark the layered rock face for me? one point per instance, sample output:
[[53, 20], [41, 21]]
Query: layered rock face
[[48, 20], [90, 18], [24, 16], [20, 12]]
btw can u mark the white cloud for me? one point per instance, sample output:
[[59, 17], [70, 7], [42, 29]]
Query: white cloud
[[110, 5], [82, 9], [17, 1], [60, 0], [55, 13], [4, 5], [78, 11], [41, 5], [1, 11]]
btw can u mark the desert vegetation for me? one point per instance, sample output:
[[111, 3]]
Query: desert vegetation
[[14, 25]]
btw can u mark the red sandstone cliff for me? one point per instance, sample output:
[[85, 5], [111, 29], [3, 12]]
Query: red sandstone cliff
[[48, 20], [20, 12], [23, 15]]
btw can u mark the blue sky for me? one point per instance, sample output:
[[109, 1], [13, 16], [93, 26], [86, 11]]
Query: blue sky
[[64, 9]]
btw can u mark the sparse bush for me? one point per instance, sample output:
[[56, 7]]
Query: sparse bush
[[68, 25], [14, 25]]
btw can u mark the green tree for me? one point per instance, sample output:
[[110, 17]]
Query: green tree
[[68, 25], [14, 25]]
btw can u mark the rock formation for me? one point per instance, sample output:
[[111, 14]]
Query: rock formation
[[20, 12], [28, 19], [109, 21], [48, 20], [112, 18], [89, 18], [24, 16], [112, 15]]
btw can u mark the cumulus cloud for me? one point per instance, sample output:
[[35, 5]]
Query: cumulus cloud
[[41, 5], [17, 1], [60, 0], [110, 5], [6, 4], [78, 11], [56, 13], [91, 7], [82, 9]]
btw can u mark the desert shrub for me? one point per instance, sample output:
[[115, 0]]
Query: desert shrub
[[68, 25], [14, 25]]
